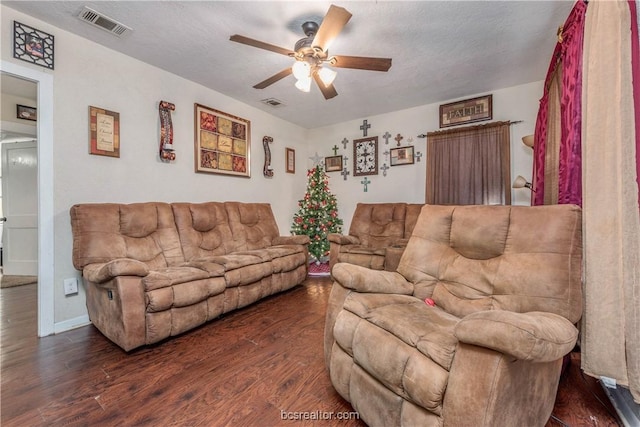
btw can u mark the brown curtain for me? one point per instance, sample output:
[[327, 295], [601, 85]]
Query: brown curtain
[[469, 166], [554, 138]]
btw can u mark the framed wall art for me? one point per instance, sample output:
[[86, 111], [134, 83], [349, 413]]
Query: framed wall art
[[26, 113], [402, 156], [104, 132], [467, 111], [222, 143], [32, 45], [365, 156], [290, 160], [333, 164]]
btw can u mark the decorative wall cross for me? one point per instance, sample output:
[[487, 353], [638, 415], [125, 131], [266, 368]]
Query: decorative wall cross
[[365, 181], [335, 150], [344, 173], [399, 138], [364, 127], [384, 169], [344, 143], [386, 137], [418, 156], [386, 153]]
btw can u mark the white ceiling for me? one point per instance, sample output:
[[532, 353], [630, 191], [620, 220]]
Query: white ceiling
[[441, 50]]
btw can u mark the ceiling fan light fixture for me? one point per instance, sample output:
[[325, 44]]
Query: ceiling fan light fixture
[[301, 70], [304, 84], [327, 75]]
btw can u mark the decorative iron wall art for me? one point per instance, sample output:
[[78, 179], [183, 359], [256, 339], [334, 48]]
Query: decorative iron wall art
[[32, 45], [167, 153]]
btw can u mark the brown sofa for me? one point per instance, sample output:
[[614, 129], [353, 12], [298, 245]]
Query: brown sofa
[[155, 270], [472, 328], [377, 235]]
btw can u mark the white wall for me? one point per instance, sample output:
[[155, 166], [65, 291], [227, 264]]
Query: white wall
[[88, 74], [406, 183]]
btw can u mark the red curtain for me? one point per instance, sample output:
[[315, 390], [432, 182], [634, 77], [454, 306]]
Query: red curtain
[[568, 56]]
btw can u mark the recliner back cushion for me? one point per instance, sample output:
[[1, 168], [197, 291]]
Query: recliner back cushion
[[142, 231], [252, 224], [203, 229], [378, 225], [517, 258]]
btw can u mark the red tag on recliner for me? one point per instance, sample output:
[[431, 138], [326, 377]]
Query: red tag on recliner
[[430, 302]]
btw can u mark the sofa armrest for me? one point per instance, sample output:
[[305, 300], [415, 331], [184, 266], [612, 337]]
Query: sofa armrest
[[341, 239], [102, 272], [361, 279], [533, 336], [299, 239]]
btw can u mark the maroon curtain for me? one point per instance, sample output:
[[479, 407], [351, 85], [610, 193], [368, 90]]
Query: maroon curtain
[[568, 56]]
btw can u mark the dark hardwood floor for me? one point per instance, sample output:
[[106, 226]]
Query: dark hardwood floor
[[248, 368]]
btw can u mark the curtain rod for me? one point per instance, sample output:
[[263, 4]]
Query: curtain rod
[[461, 129]]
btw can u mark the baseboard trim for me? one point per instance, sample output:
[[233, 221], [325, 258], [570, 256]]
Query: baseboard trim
[[70, 324]]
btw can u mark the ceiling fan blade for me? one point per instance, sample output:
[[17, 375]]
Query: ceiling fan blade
[[271, 80], [327, 91], [361, 62], [261, 45], [333, 22]]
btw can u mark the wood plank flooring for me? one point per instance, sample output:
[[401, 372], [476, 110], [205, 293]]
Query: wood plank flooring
[[252, 367]]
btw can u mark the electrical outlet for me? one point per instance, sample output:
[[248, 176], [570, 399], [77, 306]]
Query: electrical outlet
[[70, 286]]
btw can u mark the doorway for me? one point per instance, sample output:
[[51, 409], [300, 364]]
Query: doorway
[[45, 216]]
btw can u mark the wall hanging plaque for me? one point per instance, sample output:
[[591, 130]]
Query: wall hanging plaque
[[290, 160], [32, 45], [333, 164], [467, 111], [104, 131], [222, 143]]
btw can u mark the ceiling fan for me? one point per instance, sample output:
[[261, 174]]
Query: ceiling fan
[[312, 51]]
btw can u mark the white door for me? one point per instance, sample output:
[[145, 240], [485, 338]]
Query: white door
[[20, 208]]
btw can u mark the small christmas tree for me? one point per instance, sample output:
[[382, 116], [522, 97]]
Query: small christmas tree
[[318, 214]]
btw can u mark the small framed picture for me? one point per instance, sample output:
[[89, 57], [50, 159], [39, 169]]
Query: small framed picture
[[32, 45], [333, 164], [104, 132], [402, 156], [26, 113], [290, 160]]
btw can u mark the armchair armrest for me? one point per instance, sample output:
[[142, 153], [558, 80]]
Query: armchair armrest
[[361, 279], [534, 336], [299, 239], [341, 239], [99, 273]]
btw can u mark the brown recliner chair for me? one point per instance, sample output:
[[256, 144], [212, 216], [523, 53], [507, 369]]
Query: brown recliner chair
[[471, 329]]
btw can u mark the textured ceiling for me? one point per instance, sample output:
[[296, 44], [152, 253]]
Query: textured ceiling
[[441, 50]]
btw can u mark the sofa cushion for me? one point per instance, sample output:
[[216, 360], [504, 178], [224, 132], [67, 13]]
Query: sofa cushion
[[516, 258], [398, 339], [203, 229], [171, 276], [378, 224], [252, 224]]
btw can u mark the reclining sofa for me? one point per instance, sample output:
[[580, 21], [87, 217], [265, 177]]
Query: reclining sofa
[[471, 329], [377, 235], [155, 270]]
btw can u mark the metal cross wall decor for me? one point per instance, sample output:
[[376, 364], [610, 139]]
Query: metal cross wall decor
[[364, 127], [384, 169], [386, 137], [344, 173], [399, 138], [365, 181], [344, 143], [335, 150]]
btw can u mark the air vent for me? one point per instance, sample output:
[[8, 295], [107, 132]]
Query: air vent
[[272, 102], [99, 20]]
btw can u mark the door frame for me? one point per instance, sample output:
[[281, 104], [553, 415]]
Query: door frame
[[46, 317]]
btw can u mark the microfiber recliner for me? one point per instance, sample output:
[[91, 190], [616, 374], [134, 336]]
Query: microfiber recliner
[[471, 328]]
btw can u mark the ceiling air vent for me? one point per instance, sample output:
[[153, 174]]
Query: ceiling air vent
[[272, 102], [99, 20]]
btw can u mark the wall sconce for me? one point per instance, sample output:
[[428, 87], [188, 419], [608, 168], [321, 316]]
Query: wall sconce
[[528, 141], [521, 182]]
